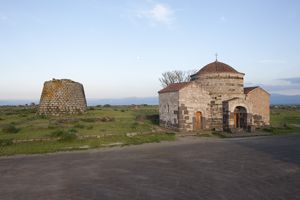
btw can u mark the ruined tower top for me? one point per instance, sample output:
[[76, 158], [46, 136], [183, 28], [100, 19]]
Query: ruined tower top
[[62, 96]]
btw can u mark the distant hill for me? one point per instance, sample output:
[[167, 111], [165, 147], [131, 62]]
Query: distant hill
[[275, 100], [124, 101], [15, 102]]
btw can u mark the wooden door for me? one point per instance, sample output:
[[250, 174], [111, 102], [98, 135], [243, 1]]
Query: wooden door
[[235, 120], [198, 121]]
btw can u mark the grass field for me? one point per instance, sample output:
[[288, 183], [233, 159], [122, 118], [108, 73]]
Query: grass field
[[24, 132], [284, 119]]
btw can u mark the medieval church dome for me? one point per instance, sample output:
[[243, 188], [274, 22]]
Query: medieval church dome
[[216, 67]]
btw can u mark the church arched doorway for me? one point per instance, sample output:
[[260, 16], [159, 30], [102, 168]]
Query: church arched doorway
[[198, 121], [240, 117]]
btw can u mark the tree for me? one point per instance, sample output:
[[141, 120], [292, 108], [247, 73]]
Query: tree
[[176, 76]]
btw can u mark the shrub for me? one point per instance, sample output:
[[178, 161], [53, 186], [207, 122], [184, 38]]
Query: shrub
[[89, 127], [5, 142], [140, 118], [72, 130], [107, 105], [91, 119], [10, 128], [154, 119], [65, 135], [79, 126], [57, 133], [68, 136], [91, 108], [107, 119], [134, 125], [42, 116]]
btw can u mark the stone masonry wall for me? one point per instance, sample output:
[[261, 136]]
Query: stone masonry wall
[[260, 103], [61, 97], [192, 99], [168, 110], [228, 112], [221, 87], [222, 83], [215, 95]]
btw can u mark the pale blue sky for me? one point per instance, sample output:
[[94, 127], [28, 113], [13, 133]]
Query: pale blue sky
[[120, 48]]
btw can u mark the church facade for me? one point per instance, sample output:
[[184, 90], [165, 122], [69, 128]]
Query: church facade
[[214, 99]]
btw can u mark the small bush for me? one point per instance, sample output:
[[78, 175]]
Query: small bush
[[72, 130], [42, 117], [57, 133], [5, 142], [89, 127], [91, 119], [140, 118], [107, 119], [81, 126], [134, 125], [68, 136], [91, 108], [1, 119], [107, 105], [153, 118], [10, 128], [65, 135]]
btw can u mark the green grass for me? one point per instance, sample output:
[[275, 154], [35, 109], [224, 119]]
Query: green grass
[[97, 121], [109, 123], [75, 144], [288, 116], [284, 120], [101, 126]]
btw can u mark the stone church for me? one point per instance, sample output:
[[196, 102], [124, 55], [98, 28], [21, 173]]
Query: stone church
[[214, 99]]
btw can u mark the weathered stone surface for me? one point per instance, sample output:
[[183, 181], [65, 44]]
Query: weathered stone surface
[[61, 97], [215, 95]]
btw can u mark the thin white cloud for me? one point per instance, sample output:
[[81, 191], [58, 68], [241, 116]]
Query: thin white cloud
[[162, 14], [3, 18], [272, 61], [158, 14], [286, 86], [223, 19]]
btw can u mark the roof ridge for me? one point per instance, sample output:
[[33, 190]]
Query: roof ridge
[[173, 87]]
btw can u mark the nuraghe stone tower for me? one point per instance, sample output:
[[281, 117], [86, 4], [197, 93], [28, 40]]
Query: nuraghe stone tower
[[61, 97]]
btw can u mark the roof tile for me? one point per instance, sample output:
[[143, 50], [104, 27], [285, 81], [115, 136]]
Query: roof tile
[[249, 89], [173, 87]]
